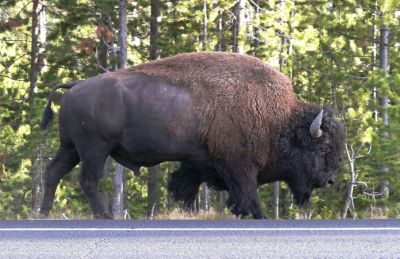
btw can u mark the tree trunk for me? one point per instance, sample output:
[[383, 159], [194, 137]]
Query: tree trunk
[[221, 201], [118, 208], [42, 37], [349, 205], [384, 53], [122, 35], [154, 30], [38, 43], [169, 197], [281, 7], [152, 193], [256, 31], [205, 21], [37, 175], [118, 193], [374, 57], [219, 25], [206, 197], [238, 27], [119, 179], [110, 45], [152, 185], [104, 56], [34, 67], [275, 200], [384, 101]]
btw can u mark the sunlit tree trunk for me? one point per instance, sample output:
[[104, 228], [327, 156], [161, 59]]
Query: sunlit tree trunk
[[374, 56], [384, 100], [281, 11], [206, 198], [153, 195], [219, 28], [34, 66], [154, 30], [118, 193], [383, 54], [154, 53], [238, 26], [219, 47], [205, 22], [122, 35], [256, 30], [119, 183], [38, 43]]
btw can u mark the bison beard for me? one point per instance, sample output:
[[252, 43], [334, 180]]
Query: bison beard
[[231, 120]]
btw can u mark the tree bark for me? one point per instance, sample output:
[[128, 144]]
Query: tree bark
[[152, 193], [281, 7], [374, 57], [119, 179], [256, 31], [384, 53], [122, 36], [219, 25], [154, 53], [154, 30], [384, 100], [238, 26], [275, 200], [34, 67], [205, 21], [118, 193], [206, 197], [103, 55], [38, 43], [348, 205]]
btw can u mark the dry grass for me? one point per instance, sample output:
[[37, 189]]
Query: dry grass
[[201, 215], [177, 214], [374, 212]]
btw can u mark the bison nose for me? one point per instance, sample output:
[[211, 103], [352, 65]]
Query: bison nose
[[329, 183]]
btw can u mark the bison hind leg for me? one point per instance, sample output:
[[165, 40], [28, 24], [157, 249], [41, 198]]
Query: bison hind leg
[[184, 184], [66, 159]]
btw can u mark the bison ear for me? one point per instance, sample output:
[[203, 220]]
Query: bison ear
[[315, 128]]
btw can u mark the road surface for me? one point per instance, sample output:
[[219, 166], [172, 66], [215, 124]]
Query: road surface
[[200, 239]]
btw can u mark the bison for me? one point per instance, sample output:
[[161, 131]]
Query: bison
[[230, 119]]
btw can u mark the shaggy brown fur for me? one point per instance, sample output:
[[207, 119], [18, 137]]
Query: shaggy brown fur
[[243, 86]]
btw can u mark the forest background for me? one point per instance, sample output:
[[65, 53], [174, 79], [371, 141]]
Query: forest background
[[343, 53]]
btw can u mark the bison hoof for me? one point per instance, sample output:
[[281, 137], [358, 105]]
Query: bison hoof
[[238, 210]]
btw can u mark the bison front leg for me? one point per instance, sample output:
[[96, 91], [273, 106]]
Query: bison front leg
[[243, 196], [91, 172]]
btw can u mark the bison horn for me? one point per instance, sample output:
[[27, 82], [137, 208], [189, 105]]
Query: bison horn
[[315, 128]]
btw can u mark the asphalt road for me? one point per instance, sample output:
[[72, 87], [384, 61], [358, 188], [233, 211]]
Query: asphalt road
[[200, 239]]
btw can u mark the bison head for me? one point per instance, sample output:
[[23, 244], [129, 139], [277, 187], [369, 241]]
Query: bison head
[[311, 150]]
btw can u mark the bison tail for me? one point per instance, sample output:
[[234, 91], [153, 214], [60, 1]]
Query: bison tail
[[47, 116], [48, 112]]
